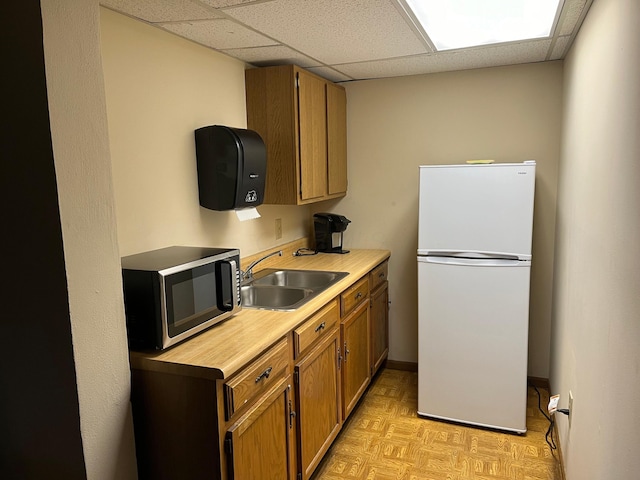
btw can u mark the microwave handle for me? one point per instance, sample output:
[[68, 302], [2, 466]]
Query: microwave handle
[[228, 304]]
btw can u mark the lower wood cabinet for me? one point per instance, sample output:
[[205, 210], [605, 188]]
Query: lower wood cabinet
[[379, 326], [317, 380], [355, 368], [259, 444], [176, 426]]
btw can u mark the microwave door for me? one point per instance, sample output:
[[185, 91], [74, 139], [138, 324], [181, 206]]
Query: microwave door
[[191, 295]]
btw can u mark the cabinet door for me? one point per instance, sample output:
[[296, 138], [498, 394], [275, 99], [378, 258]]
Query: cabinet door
[[258, 444], [336, 139], [312, 113], [318, 402], [355, 368], [379, 326]]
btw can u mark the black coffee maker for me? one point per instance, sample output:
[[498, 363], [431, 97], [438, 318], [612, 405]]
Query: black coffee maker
[[325, 226]]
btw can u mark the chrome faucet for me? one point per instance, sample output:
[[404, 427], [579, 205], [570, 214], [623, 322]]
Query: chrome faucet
[[248, 273]]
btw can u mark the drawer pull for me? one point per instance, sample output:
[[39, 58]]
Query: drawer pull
[[358, 295], [320, 327], [264, 374], [381, 275]]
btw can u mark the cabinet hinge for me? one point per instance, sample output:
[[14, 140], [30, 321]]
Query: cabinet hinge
[[228, 446], [296, 380], [299, 477]]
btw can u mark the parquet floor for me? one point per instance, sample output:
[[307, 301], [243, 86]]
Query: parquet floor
[[385, 439]]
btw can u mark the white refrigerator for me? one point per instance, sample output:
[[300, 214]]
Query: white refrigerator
[[474, 263]]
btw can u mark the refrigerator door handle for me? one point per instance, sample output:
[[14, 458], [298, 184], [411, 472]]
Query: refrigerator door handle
[[476, 262], [473, 255]]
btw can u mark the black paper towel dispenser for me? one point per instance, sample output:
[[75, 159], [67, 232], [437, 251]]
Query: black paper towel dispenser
[[232, 164]]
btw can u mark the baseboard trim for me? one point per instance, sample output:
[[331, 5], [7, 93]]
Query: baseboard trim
[[413, 367], [539, 382], [398, 365]]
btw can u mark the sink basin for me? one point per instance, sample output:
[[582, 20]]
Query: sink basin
[[273, 297], [279, 289], [297, 278]]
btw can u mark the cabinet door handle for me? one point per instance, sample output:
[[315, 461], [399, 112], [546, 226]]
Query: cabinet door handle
[[292, 415], [346, 352], [264, 374], [320, 327]]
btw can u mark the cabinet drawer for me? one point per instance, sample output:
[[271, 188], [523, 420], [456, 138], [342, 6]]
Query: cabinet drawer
[[355, 294], [311, 330], [260, 375], [378, 275]]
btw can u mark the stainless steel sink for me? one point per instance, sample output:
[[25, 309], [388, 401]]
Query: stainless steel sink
[[276, 298], [279, 289], [298, 278]]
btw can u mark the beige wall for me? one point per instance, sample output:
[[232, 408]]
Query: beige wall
[[83, 170], [159, 89], [509, 114], [596, 327]]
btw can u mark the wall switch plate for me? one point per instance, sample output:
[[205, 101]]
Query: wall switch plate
[[570, 407], [278, 228]]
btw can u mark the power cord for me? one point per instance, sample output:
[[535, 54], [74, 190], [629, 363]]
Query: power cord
[[549, 435], [303, 252]]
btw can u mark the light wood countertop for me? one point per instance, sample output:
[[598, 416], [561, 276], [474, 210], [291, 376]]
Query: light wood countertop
[[225, 348]]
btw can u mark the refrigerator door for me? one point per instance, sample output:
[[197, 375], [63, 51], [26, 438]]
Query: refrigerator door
[[472, 331], [483, 209]]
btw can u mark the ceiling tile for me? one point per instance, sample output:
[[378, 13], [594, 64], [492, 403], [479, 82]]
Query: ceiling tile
[[570, 15], [330, 74], [272, 55], [334, 31], [337, 39], [162, 10], [218, 34], [560, 47], [226, 3], [511, 54]]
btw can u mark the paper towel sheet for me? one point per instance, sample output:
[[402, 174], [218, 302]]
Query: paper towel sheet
[[247, 214]]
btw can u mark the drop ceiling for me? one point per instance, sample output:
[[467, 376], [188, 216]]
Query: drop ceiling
[[341, 40]]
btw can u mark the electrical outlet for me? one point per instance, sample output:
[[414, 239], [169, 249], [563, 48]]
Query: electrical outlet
[[570, 407], [278, 228]]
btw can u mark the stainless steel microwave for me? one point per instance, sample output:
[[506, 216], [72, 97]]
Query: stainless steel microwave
[[173, 293]]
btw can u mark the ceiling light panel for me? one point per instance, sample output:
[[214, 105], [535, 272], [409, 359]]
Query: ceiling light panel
[[452, 24]]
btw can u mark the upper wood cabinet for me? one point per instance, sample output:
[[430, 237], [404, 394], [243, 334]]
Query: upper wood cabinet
[[302, 119], [336, 140]]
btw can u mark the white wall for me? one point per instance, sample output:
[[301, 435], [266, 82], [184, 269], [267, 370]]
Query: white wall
[[159, 89], [83, 170], [509, 114], [596, 327]]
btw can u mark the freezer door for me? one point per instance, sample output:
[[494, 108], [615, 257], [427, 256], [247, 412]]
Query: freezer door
[[476, 208], [472, 332]]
